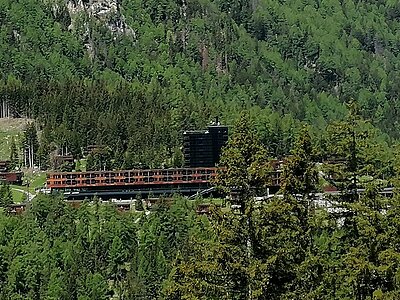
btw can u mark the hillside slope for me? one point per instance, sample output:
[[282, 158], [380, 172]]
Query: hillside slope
[[10, 129], [133, 77]]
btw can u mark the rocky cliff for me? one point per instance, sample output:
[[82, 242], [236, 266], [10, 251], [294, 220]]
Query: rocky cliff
[[82, 13]]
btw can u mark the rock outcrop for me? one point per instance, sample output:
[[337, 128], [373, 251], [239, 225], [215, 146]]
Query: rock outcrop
[[83, 12], [106, 11]]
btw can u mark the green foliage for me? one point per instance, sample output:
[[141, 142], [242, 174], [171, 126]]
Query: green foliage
[[244, 163], [180, 64], [57, 252], [13, 154], [6, 197], [355, 152], [290, 248], [282, 62], [30, 145], [287, 247], [299, 174], [99, 160]]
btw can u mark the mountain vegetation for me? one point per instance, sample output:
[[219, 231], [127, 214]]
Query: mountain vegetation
[[316, 80], [183, 62], [291, 246]]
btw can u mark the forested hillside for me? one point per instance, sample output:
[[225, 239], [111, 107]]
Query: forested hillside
[[131, 75], [127, 77], [290, 246]]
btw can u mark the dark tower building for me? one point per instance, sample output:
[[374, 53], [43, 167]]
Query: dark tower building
[[219, 138], [202, 148]]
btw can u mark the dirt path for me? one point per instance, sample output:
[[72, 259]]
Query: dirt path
[[28, 194]]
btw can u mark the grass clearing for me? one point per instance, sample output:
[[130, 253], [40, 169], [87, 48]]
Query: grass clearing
[[35, 179], [18, 196], [38, 181], [5, 142], [10, 128]]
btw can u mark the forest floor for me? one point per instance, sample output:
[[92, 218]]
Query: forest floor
[[10, 128]]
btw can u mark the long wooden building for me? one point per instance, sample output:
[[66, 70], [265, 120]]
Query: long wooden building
[[9, 176], [130, 183]]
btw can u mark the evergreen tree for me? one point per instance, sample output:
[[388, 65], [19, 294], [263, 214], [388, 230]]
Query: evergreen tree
[[6, 197], [244, 164], [13, 154], [347, 146], [30, 144]]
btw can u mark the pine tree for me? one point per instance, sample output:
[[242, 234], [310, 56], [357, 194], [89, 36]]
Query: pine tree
[[246, 172], [244, 164], [346, 145], [13, 154], [6, 197], [30, 144], [300, 176], [281, 225]]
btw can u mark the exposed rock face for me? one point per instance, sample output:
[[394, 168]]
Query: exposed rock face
[[106, 12]]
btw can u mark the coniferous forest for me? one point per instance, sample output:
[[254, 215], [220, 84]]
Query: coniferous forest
[[287, 247], [309, 81], [175, 65]]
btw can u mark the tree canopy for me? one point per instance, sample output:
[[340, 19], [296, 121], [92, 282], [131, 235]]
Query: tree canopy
[[173, 66]]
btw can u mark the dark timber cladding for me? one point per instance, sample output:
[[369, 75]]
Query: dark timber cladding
[[202, 148], [8, 175]]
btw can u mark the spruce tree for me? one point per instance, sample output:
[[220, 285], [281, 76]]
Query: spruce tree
[[244, 165], [6, 197], [346, 145], [13, 154]]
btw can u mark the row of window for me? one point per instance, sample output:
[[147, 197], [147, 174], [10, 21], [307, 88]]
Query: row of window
[[133, 173], [129, 180]]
